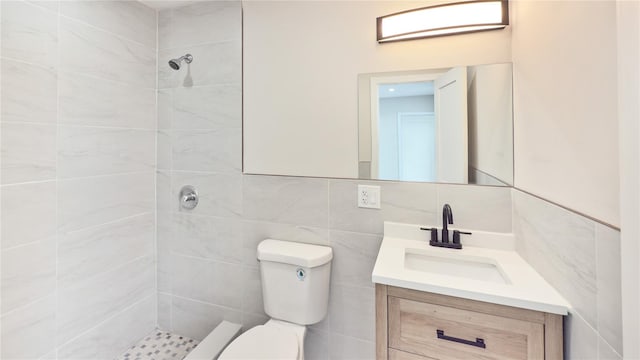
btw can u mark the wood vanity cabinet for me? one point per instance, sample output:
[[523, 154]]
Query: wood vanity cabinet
[[416, 325]]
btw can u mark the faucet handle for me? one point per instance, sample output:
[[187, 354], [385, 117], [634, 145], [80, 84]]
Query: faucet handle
[[456, 235], [434, 233]]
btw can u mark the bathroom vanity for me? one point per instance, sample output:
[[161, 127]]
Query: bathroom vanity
[[480, 302], [415, 325]]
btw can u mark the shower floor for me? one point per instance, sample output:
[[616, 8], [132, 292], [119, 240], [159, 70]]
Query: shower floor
[[160, 345]]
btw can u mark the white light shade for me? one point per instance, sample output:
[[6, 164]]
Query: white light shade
[[444, 19]]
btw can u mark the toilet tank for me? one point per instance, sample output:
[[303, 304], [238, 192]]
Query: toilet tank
[[295, 280]]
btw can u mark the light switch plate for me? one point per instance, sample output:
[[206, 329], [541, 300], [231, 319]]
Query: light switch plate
[[369, 196]]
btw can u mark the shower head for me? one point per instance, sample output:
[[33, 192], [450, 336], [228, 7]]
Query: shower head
[[175, 63]]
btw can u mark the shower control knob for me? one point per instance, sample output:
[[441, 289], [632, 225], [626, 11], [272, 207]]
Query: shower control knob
[[188, 197]]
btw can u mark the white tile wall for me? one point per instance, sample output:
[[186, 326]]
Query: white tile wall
[[193, 24], [28, 273], [77, 177], [28, 152], [581, 259], [220, 194], [88, 303], [24, 205], [33, 92], [26, 331], [210, 107], [107, 340], [88, 101], [91, 201], [609, 287], [130, 20], [297, 201], [213, 64], [409, 202], [193, 234], [202, 150], [29, 34], [93, 52], [85, 253]]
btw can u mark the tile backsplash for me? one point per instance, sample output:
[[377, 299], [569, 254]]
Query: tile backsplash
[[580, 258]]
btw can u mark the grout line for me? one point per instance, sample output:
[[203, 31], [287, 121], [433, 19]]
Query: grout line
[[28, 183], [1, 242], [208, 303], [88, 177], [239, 263], [28, 304], [76, 125], [102, 127], [34, 4], [110, 81], [215, 84], [30, 243], [57, 200], [111, 222], [201, 172], [201, 44], [171, 95], [20, 61], [155, 220]]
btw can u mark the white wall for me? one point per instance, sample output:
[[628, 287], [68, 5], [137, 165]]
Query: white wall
[[628, 13], [306, 56], [565, 103]]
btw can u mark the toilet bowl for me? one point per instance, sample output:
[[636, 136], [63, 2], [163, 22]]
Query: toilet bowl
[[295, 290]]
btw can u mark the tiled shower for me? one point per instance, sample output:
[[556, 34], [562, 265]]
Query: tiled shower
[[98, 135], [78, 174]]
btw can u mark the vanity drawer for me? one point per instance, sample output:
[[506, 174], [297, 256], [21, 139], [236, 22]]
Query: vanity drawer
[[442, 332], [402, 355]]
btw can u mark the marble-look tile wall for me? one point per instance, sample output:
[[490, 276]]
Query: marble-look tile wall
[[581, 259], [78, 126], [207, 268]]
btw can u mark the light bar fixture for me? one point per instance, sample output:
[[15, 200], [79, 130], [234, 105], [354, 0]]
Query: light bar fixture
[[446, 19]]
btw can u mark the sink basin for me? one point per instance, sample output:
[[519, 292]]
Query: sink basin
[[474, 268], [486, 269]]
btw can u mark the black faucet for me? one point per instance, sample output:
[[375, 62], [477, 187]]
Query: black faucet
[[447, 218]]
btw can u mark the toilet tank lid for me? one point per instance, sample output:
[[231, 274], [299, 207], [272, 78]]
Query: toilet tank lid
[[294, 253]]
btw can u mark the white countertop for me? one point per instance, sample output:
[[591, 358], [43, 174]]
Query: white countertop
[[527, 289]]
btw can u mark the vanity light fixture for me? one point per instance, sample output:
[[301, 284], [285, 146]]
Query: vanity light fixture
[[445, 19]]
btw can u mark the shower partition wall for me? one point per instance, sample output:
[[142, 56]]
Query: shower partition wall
[[77, 177]]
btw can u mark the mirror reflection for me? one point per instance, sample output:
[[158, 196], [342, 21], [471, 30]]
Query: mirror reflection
[[450, 125]]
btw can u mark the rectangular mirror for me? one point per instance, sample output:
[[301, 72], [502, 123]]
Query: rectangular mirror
[[450, 125]]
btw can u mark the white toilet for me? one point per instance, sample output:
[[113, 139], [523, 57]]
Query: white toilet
[[295, 290]]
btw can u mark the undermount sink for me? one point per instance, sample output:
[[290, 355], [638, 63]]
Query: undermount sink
[[474, 268]]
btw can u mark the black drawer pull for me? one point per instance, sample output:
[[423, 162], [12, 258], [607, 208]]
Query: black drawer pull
[[478, 343]]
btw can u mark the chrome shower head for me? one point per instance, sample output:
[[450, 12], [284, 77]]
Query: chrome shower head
[[175, 63]]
